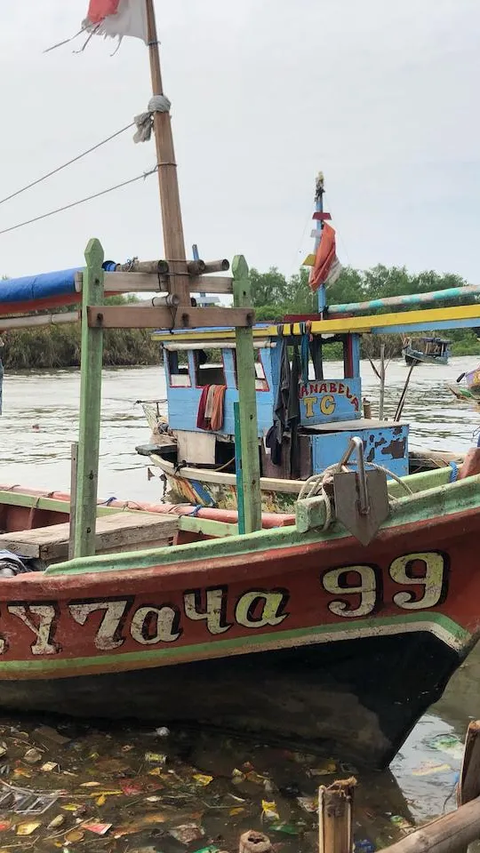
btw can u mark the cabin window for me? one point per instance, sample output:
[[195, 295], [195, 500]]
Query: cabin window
[[209, 368], [178, 370], [261, 381], [333, 359]]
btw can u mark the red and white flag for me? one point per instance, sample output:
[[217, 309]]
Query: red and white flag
[[327, 267], [117, 18]]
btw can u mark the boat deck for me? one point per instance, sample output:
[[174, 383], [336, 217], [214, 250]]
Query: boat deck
[[120, 531]]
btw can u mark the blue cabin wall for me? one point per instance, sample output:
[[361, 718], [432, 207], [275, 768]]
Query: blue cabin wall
[[183, 402], [385, 445]]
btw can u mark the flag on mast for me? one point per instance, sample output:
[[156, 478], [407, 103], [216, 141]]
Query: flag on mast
[[117, 18], [327, 267]]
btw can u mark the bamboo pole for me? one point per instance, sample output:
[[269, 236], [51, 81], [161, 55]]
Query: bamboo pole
[[90, 406], [335, 817], [247, 397], [39, 320], [174, 241], [403, 396], [448, 834]]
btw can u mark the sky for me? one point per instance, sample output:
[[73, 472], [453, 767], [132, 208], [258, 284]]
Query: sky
[[378, 95]]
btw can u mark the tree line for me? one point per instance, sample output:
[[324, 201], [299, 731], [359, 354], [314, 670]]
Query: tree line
[[274, 295]]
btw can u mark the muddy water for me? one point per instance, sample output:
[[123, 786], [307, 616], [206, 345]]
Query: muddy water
[[115, 779]]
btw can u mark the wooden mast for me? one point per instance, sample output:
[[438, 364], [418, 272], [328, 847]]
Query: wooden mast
[[174, 241]]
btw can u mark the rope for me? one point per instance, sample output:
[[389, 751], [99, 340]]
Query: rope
[[453, 472], [81, 201], [144, 121], [315, 487], [69, 163]]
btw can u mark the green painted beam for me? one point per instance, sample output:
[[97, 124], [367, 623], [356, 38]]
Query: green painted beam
[[37, 502], [203, 525], [250, 457], [90, 405]]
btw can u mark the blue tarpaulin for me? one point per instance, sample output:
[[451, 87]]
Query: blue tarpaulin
[[50, 284]]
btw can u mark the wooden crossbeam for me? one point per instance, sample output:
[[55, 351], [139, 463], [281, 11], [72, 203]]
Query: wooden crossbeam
[[140, 282], [184, 317]]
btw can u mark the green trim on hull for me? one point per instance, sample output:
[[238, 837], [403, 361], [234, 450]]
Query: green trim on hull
[[437, 624], [449, 499]]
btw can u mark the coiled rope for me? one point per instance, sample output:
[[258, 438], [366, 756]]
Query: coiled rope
[[315, 486]]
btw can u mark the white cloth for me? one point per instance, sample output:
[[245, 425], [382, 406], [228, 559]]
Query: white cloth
[[130, 19]]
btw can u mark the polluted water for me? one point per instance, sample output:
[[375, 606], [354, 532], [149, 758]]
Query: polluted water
[[71, 785], [97, 786]]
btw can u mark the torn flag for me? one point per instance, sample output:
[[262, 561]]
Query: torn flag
[[117, 18], [327, 267]]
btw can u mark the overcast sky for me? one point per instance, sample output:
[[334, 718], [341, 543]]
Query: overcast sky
[[379, 95]]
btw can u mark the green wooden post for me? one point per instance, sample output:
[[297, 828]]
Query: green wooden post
[[90, 406], [242, 298], [239, 470]]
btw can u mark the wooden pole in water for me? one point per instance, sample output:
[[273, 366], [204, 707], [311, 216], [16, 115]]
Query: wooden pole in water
[[382, 382], [242, 297], [403, 396], [90, 406], [335, 817], [174, 241]]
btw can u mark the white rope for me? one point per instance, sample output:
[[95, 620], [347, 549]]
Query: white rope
[[144, 121], [315, 487]]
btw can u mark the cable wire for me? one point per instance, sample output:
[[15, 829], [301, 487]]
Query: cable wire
[[70, 162], [80, 201]]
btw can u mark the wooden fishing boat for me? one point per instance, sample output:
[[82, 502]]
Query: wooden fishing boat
[[335, 631], [154, 634], [427, 351]]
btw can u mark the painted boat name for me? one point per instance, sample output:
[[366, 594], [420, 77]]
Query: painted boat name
[[356, 590]]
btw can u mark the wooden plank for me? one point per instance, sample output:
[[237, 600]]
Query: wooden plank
[[19, 499], [134, 317], [211, 284], [125, 531], [90, 406], [139, 282], [209, 528], [247, 399]]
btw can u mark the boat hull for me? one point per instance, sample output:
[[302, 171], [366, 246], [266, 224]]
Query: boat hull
[[418, 357], [206, 488], [325, 699], [282, 632]]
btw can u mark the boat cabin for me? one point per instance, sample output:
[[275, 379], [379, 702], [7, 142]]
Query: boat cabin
[[307, 408]]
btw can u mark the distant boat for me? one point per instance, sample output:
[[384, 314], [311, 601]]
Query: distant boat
[[427, 351]]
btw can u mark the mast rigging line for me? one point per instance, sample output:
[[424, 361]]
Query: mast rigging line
[[69, 163], [143, 176]]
